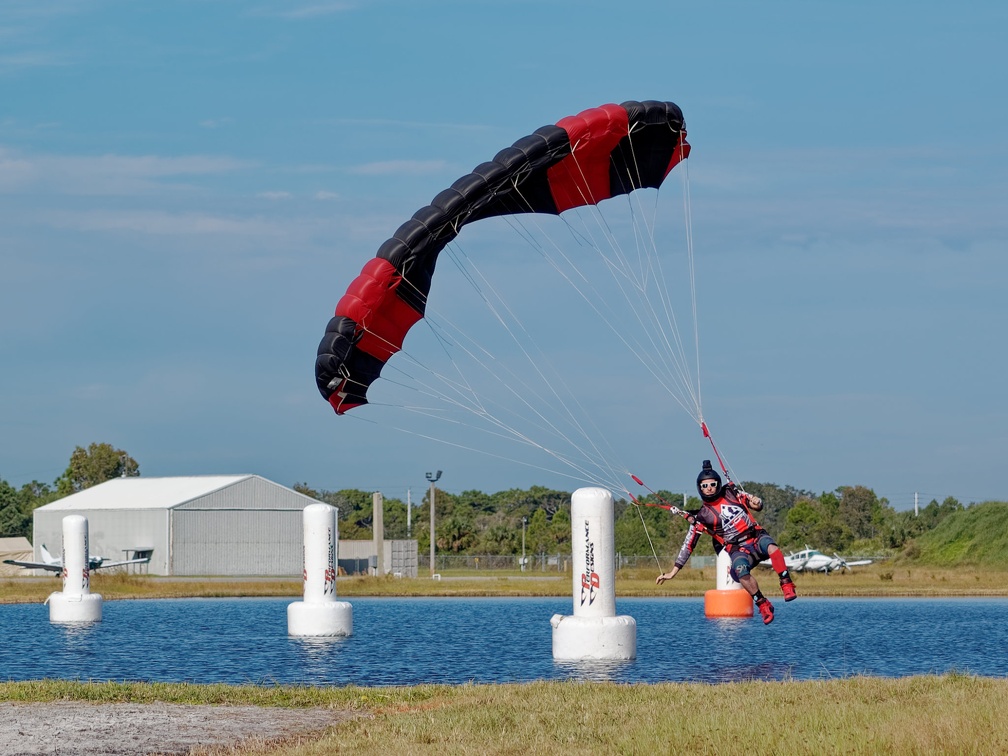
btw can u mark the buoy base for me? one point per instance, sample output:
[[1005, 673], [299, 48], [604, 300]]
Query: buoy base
[[734, 602], [72, 609], [594, 637], [324, 618]]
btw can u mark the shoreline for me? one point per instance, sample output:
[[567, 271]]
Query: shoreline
[[884, 580]]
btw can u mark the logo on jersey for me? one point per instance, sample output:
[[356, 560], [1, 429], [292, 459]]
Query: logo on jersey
[[732, 516]]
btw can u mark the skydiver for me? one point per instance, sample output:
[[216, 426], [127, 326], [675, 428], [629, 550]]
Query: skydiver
[[725, 515]]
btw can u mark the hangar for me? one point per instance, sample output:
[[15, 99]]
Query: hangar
[[240, 525]]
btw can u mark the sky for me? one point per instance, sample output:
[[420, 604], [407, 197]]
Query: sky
[[187, 188]]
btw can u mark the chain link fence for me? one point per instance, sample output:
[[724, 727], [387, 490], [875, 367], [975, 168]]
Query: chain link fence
[[536, 562]]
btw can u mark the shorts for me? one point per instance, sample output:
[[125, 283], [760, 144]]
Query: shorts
[[747, 555]]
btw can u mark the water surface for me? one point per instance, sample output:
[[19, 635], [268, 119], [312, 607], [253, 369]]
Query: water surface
[[406, 641]]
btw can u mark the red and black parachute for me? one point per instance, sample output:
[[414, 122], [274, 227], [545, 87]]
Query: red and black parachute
[[584, 159]]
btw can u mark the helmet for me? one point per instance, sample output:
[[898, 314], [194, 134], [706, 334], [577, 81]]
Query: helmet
[[709, 473]]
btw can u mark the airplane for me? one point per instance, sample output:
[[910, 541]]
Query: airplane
[[52, 564], [811, 560]]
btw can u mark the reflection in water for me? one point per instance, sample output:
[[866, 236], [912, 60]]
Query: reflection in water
[[593, 670], [77, 632], [316, 651]]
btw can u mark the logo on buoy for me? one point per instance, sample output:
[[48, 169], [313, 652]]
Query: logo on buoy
[[330, 573], [590, 578]]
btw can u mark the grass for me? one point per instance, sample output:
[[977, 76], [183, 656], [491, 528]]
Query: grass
[[884, 579], [953, 713]]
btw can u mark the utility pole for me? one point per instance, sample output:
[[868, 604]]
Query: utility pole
[[433, 478], [524, 523], [409, 512], [378, 530]]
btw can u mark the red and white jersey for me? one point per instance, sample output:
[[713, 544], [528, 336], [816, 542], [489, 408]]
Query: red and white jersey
[[728, 520]]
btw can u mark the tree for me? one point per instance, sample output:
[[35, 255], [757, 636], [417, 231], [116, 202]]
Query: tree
[[455, 534], [777, 502], [801, 522], [537, 536], [18, 505], [94, 465], [560, 526]]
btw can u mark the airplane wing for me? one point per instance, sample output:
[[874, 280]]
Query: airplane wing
[[98, 563], [858, 563], [35, 565]]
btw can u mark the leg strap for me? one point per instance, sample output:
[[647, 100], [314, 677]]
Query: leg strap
[[777, 561]]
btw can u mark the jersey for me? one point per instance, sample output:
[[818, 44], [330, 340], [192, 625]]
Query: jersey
[[727, 520]]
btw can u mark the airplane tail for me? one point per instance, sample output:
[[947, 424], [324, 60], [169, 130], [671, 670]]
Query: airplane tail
[[46, 556]]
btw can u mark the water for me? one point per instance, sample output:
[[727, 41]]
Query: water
[[405, 641]]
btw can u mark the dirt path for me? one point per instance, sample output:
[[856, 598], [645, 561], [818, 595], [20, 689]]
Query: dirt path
[[73, 727]]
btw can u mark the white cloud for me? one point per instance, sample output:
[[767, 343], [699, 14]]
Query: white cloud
[[307, 11], [161, 223], [324, 195], [400, 167], [32, 59], [274, 195], [214, 123], [103, 174]]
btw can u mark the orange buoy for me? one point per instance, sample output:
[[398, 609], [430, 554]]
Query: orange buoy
[[731, 602], [729, 598]]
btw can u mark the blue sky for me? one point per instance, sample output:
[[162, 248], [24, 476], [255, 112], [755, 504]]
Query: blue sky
[[187, 188]]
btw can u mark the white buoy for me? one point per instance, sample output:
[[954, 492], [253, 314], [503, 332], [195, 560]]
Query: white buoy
[[594, 631], [75, 603], [320, 614]]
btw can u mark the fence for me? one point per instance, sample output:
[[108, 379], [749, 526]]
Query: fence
[[537, 562]]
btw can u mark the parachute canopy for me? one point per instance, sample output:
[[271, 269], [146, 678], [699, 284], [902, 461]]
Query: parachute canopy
[[584, 159]]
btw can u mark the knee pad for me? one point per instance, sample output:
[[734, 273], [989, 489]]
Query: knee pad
[[739, 568]]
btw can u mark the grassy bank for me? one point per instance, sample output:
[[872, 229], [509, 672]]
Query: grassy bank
[[884, 579], [948, 714]]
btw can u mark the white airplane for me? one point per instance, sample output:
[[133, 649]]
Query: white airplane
[[52, 564], [811, 560]]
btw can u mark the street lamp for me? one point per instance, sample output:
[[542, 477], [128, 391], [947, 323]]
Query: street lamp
[[433, 478], [524, 523]]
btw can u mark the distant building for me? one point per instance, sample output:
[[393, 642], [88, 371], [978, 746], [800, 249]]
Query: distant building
[[13, 548], [212, 525]]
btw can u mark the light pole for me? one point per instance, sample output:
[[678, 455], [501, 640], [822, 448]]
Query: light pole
[[433, 478], [524, 523]]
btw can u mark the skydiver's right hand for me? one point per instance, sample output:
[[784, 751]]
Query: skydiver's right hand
[[666, 576]]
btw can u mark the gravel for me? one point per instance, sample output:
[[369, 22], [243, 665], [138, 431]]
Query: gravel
[[74, 727]]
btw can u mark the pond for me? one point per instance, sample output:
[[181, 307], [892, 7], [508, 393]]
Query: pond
[[407, 641]]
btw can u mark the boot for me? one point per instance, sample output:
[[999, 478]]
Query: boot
[[788, 589], [766, 609]]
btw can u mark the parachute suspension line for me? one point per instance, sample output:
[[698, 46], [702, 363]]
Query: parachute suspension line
[[653, 267], [470, 448], [611, 317], [688, 221], [725, 467], [665, 341], [505, 432], [463, 395], [639, 350], [620, 269], [469, 399], [621, 265], [654, 552], [462, 261]]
